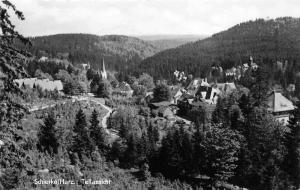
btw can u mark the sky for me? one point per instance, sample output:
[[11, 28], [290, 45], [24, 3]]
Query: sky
[[145, 17]]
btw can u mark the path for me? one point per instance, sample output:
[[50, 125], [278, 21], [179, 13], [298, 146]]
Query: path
[[112, 134]]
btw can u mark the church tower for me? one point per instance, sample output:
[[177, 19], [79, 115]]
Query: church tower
[[103, 71]]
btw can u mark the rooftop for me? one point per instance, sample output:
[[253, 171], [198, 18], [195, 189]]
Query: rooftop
[[278, 103]]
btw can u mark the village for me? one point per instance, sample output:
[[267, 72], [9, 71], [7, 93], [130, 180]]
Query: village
[[197, 92], [149, 95]]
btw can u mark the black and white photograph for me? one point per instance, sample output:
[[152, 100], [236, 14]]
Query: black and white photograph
[[149, 95]]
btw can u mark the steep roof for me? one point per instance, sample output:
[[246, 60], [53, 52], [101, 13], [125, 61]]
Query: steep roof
[[226, 87], [161, 104], [278, 103], [45, 84]]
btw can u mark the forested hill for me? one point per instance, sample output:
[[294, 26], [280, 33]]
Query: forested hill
[[266, 40], [164, 42], [118, 51]]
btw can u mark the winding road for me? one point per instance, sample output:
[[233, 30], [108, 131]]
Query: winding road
[[112, 134]]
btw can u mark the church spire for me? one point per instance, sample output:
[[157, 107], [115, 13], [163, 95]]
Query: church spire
[[103, 71], [103, 66]]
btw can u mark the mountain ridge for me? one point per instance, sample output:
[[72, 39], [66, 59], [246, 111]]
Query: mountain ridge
[[265, 40], [118, 50]]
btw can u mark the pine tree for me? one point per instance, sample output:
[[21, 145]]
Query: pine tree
[[97, 133], [145, 173], [11, 111], [104, 89], [153, 136], [48, 141], [143, 148], [161, 93], [198, 151], [82, 143], [131, 153], [263, 153], [259, 89], [292, 160], [186, 152], [221, 147]]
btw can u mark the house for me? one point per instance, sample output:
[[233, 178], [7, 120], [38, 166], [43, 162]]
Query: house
[[149, 96], [225, 88], [85, 66], [180, 76], [125, 89], [194, 84], [245, 67], [156, 105], [253, 65], [208, 94], [280, 107], [177, 95], [193, 87], [45, 84], [43, 59], [164, 109], [165, 112], [291, 88], [230, 72]]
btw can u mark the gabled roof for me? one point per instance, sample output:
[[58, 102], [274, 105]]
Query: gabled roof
[[226, 87], [45, 84], [124, 86], [178, 93], [278, 103], [245, 65], [161, 104], [186, 96]]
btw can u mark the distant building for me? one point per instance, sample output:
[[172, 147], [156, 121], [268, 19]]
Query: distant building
[[225, 88], [208, 94], [250, 65], [245, 67], [280, 107], [177, 95], [45, 84], [165, 112], [85, 66], [230, 72], [125, 89], [164, 109], [291, 88], [43, 59]]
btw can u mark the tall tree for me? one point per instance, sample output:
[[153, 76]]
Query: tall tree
[[176, 153], [97, 132], [264, 152], [11, 111], [146, 80], [259, 89], [131, 154], [221, 147], [104, 89], [161, 93], [82, 144], [292, 160], [48, 141]]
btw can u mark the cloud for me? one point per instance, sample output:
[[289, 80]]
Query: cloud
[[145, 16]]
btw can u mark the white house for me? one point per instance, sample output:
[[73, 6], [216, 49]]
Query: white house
[[45, 84], [280, 107]]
